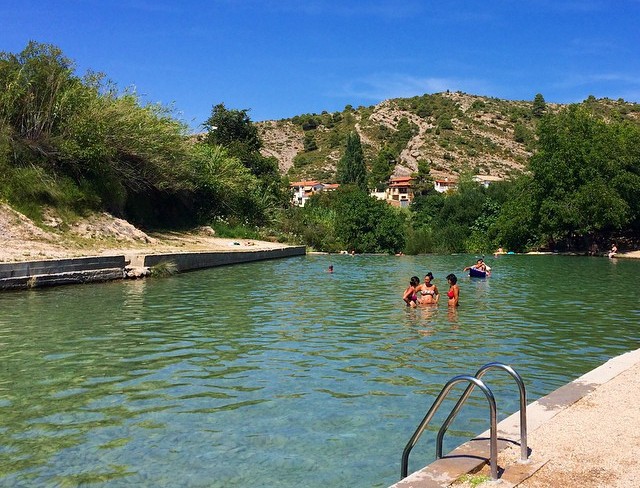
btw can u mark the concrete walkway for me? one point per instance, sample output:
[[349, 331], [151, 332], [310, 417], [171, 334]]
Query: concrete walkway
[[53, 272], [594, 442], [585, 434]]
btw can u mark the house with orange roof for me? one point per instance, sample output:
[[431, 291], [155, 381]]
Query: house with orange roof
[[303, 190], [399, 191]]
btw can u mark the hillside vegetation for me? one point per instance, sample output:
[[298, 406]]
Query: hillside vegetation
[[72, 146], [456, 133]]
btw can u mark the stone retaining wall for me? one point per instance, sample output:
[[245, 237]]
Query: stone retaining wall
[[30, 274], [192, 261]]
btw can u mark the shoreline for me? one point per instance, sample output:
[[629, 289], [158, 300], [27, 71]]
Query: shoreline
[[24, 275]]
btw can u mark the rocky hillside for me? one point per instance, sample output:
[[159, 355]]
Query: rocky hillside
[[455, 132]]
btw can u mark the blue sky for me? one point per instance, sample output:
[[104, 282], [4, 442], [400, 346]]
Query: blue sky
[[280, 58]]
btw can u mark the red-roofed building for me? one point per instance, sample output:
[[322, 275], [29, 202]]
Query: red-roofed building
[[303, 190], [399, 192]]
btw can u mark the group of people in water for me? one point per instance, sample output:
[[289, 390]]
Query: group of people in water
[[426, 293]]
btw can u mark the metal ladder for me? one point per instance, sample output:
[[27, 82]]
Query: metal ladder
[[473, 381]]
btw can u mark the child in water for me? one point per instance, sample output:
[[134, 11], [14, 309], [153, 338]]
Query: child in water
[[410, 296]]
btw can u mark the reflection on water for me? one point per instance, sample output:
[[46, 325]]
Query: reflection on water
[[280, 374]]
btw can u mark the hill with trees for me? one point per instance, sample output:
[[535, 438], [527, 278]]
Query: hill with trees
[[72, 146], [453, 132]]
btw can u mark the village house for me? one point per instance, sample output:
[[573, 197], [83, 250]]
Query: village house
[[303, 190], [443, 186], [398, 193], [486, 180]]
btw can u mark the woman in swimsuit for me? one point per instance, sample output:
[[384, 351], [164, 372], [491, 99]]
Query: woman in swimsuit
[[428, 291], [410, 296], [454, 290]]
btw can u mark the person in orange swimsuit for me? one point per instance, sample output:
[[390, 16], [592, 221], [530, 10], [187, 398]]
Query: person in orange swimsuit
[[454, 290]]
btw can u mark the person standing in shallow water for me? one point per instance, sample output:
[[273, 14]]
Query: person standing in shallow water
[[410, 295], [454, 290], [428, 291]]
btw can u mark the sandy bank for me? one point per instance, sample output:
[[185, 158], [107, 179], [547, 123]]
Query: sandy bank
[[103, 235]]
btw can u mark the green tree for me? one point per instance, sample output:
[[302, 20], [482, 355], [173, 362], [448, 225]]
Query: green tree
[[234, 130], [539, 106], [310, 142], [586, 176], [230, 127], [225, 186], [366, 224], [33, 84], [522, 134], [351, 169], [382, 168], [422, 180]]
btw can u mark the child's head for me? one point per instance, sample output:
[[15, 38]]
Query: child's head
[[415, 281]]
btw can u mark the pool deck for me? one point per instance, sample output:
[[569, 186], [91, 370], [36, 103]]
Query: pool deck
[[586, 434]]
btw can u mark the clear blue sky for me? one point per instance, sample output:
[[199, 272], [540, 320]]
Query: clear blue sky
[[281, 58]]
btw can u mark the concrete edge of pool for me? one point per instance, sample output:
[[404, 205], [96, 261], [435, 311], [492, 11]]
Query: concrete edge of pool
[[54, 272], [471, 456]]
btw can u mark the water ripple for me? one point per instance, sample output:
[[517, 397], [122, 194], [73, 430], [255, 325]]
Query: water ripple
[[281, 374]]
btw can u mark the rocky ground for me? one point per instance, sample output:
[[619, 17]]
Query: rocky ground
[[102, 234]]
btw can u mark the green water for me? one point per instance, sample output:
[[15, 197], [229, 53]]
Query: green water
[[281, 374]]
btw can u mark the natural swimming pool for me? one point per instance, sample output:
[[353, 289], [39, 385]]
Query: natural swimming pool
[[281, 374]]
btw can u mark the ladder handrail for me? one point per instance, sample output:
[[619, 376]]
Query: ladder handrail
[[493, 444], [524, 451]]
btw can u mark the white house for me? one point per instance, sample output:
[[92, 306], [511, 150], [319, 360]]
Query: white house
[[443, 186], [302, 191], [486, 180]]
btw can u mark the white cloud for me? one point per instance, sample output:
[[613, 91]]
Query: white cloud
[[384, 86], [577, 80], [374, 8]]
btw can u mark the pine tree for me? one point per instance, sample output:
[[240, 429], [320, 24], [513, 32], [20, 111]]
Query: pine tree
[[539, 106], [351, 168]]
